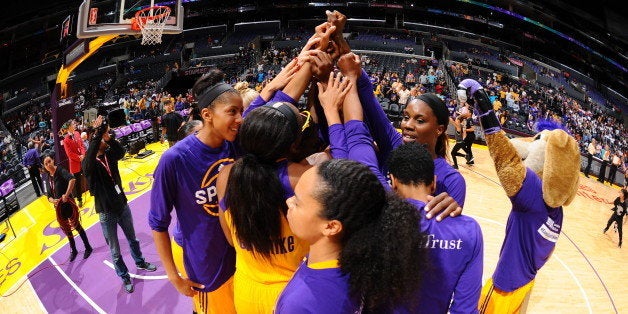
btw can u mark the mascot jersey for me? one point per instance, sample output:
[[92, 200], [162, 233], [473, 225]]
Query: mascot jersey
[[531, 234], [185, 179]]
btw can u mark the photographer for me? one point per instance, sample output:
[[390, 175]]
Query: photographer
[[101, 169]]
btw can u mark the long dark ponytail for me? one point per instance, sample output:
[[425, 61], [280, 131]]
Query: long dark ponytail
[[255, 195], [382, 251]]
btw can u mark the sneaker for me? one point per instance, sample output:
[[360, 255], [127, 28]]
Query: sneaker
[[128, 284], [146, 266], [87, 253], [470, 160], [73, 256]]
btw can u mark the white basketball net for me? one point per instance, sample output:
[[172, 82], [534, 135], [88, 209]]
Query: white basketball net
[[151, 23]]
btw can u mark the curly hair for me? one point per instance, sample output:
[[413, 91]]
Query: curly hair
[[411, 164], [381, 238], [255, 195], [206, 82]]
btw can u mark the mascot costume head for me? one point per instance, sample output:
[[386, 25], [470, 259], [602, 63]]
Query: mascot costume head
[[552, 153]]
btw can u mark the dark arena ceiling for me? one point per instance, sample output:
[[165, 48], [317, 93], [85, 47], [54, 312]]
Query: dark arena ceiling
[[599, 25]]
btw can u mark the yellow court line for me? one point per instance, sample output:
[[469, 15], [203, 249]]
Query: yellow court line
[[37, 230]]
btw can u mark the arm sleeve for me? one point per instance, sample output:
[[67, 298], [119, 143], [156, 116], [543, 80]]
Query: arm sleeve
[[89, 162], [116, 150], [384, 134], [338, 141], [469, 286], [279, 96], [256, 103], [360, 148], [65, 174], [510, 169], [162, 196], [455, 185]]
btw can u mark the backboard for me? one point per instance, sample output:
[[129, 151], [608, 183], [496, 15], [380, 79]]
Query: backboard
[[104, 17]]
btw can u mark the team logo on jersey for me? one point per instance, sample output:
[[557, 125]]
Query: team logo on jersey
[[207, 195]]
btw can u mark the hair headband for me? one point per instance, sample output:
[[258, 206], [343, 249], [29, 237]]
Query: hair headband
[[210, 94], [287, 112]]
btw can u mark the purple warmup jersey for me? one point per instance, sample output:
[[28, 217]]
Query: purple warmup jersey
[[316, 291], [387, 138], [531, 234], [453, 282], [449, 180], [185, 179]]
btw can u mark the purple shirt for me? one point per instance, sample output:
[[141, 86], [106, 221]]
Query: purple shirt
[[387, 138], [531, 234], [360, 148], [338, 141], [279, 96], [185, 179], [449, 180], [316, 291], [31, 158], [455, 250]]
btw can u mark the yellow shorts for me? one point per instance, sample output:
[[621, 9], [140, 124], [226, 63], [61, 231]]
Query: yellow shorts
[[494, 300], [217, 301], [253, 297]]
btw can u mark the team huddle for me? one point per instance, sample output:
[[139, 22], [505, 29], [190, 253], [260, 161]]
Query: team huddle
[[333, 210]]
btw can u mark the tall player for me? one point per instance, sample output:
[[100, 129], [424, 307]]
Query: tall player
[[185, 180]]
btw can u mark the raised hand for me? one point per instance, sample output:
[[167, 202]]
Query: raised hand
[[321, 64], [350, 65], [341, 46], [337, 19], [97, 122], [324, 32], [304, 55], [473, 90], [283, 78], [332, 95]]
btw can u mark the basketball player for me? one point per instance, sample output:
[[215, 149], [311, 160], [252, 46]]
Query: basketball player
[[185, 181]]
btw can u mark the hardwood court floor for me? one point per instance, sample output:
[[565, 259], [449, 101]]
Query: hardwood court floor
[[586, 273]]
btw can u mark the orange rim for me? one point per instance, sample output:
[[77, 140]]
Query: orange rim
[[135, 22]]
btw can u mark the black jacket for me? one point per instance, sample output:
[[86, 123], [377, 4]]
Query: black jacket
[[101, 185], [620, 208]]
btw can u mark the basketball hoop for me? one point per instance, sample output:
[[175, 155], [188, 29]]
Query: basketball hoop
[[151, 22]]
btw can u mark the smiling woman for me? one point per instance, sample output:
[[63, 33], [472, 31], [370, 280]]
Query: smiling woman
[[185, 181]]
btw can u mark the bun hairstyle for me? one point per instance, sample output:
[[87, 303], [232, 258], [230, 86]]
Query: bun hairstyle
[[255, 195], [210, 89], [64, 128], [382, 251], [442, 116], [241, 87]]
